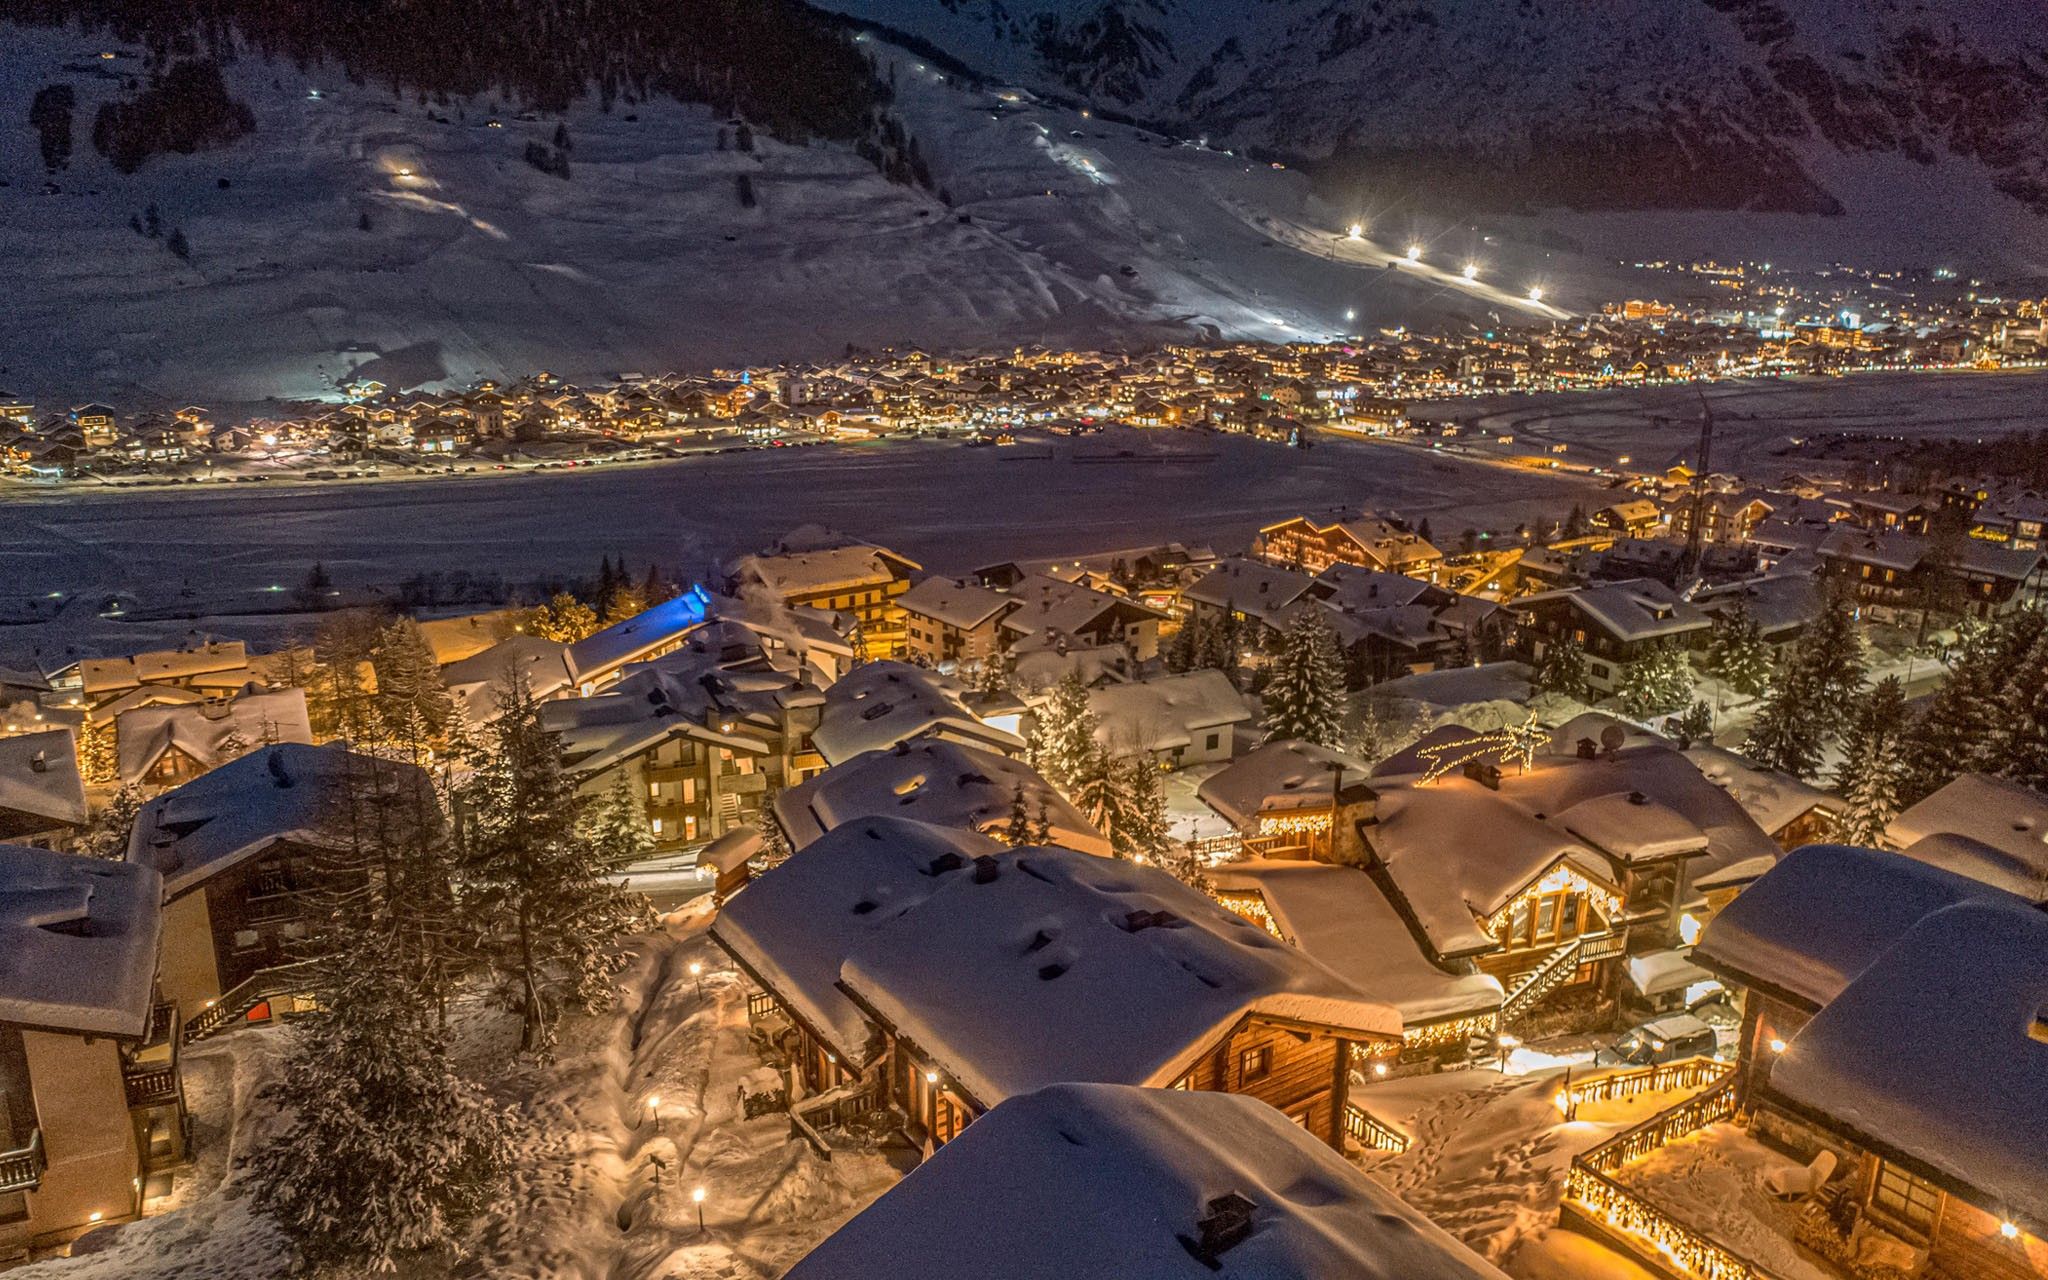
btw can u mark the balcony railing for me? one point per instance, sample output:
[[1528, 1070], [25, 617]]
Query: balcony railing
[[22, 1168], [1545, 978], [284, 979], [150, 1086], [1631, 1217], [1369, 1132]]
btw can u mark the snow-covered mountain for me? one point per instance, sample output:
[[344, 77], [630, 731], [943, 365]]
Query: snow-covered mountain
[[1591, 104]]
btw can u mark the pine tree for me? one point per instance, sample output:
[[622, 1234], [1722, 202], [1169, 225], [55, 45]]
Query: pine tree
[[1737, 653], [2021, 753], [1041, 823], [1562, 669], [992, 676], [1142, 829], [1017, 830], [1832, 653], [1183, 647], [1306, 697], [563, 619], [413, 706], [97, 762], [106, 832], [1658, 682], [1869, 776], [1062, 746], [1696, 725], [1966, 721], [1786, 735], [342, 704], [534, 872]]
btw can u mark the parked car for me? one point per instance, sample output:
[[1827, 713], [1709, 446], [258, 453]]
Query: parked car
[[1680, 1035]]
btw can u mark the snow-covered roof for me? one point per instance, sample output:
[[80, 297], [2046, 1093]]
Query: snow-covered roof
[[796, 923], [732, 850], [879, 704], [1994, 830], [948, 784], [105, 675], [478, 682], [210, 732], [78, 942], [1775, 602], [798, 630], [1278, 776], [1105, 1182], [1167, 712], [1044, 966], [1249, 587], [1356, 589], [286, 792], [39, 778], [799, 573], [1818, 918], [1339, 917], [1933, 1051], [635, 637], [1053, 606], [684, 694], [453, 639], [1462, 686], [1655, 973], [965, 605], [1637, 609], [1775, 800]]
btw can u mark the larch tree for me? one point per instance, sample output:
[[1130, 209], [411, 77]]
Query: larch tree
[[1306, 697], [1870, 777], [534, 873]]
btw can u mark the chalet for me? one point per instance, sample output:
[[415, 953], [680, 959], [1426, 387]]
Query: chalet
[[1893, 1021], [162, 746], [480, 683], [214, 666], [949, 621], [1630, 519], [42, 800], [1780, 604], [1614, 623], [95, 423], [699, 742], [931, 1009], [1052, 610], [94, 1108], [866, 581], [880, 704], [1247, 591], [1292, 799], [1885, 512], [596, 661], [1791, 812], [1369, 542], [238, 849], [1140, 1182], [1176, 720], [1982, 827], [1341, 918], [1727, 519], [1557, 871], [468, 634], [1902, 574], [941, 783]]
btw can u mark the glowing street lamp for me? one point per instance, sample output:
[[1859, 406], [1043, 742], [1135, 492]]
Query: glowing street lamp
[[1536, 293], [1356, 231], [697, 972], [697, 1198], [1414, 253], [1471, 271]]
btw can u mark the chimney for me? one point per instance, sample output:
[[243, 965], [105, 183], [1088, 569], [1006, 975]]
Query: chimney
[[985, 870], [278, 773], [39, 762], [1225, 1224]]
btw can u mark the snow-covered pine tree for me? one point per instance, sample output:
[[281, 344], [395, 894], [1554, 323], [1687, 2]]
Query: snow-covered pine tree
[[413, 707], [1062, 746], [1306, 697], [1141, 830], [1832, 653], [1041, 824], [341, 703], [1657, 683], [1017, 831], [389, 1153], [1562, 669], [1869, 776], [1695, 725], [1738, 654], [107, 830], [1786, 735], [1183, 648], [1965, 720], [534, 873], [563, 619], [2022, 750]]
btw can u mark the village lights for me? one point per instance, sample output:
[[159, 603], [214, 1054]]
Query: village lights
[[94, 1216], [1350, 313], [931, 1077], [1471, 271], [1379, 1068]]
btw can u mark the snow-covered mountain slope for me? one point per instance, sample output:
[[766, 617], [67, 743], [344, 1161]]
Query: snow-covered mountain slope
[[355, 232], [1770, 105]]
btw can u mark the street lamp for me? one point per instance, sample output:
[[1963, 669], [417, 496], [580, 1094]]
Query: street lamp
[[1356, 231], [1471, 271], [1536, 293], [697, 1198], [654, 1108], [1414, 253], [697, 972]]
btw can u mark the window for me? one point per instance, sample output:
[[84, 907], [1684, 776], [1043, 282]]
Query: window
[[1254, 1064], [1213, 741], [1185, 1082], [1912, 1201], [655, 826]]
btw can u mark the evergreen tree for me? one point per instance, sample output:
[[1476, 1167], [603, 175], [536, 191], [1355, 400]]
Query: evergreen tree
[[1832, 653], [1696, 725], [1786, 735], [563, 619], [627, 601], [342, 704], [1737, 653], [97, 763], [1018, 829], [1869, 776], [1183, 647], [1658, 682], [1142, 830], [1966, 722], [2021, 753], [1562, 669], [992, 676], [413, 706], [1306, 697], [1062, 746], [534, 873], [106, 832], [1041, 824]]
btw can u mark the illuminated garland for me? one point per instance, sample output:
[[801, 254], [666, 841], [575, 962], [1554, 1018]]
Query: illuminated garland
[[1252, 906], [1513, 741], [1450, 1031], [1295, 824], [1559, 878]]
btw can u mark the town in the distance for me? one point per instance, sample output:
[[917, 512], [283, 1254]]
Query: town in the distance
[[1652, 887]]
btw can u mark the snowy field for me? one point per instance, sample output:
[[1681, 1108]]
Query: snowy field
[[1757, 423], [1064, 230], [656, 1081], [199, 551]]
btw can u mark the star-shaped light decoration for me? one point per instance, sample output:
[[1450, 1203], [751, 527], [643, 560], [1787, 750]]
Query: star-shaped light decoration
[[1504, 744]]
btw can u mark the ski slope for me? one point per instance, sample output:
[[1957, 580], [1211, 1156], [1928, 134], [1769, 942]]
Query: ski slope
[[476, 264]]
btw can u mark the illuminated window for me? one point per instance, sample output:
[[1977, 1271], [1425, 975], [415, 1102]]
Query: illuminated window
[[1909, 1199], [1254, 1064]]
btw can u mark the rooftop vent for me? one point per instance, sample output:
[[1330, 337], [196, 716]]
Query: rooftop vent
[[1637, 797], [39, 762], [1141, 920], [945, 862], [986, 870], [1485, 774], [1225, 1224], [279, 774]]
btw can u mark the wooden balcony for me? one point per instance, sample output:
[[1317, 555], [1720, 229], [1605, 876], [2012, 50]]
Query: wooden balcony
[[22, 1169]]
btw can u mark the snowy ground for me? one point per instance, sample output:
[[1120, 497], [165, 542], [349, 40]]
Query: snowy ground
[[476, 263], [1712, 1180], [200, 553], [591, 1141], [1488, 1159]]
